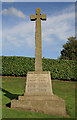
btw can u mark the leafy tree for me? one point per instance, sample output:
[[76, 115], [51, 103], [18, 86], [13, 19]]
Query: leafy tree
[[69, 51]]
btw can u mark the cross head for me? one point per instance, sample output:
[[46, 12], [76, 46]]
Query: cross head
[[38, 15]]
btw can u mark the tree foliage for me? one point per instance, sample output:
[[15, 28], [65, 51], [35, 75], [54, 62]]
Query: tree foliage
[[69, 51]]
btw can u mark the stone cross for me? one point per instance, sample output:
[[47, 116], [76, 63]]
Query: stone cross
[[38, 44], [38, 94]]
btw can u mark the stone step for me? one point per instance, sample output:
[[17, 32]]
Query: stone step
[[52, 106], [40, 97]]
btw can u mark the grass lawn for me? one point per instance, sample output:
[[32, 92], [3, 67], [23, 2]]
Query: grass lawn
[[13, 87]]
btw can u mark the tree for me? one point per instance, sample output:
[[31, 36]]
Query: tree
[[69, 51]]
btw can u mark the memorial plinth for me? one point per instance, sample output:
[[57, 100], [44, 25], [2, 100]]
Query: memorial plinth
[[38, 83], [38, 96]]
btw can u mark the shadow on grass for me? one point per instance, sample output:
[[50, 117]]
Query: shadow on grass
[[8, 105], [10, 95]]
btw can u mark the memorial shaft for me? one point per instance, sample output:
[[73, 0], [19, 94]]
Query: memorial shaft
[[38, 43], [38, 46]]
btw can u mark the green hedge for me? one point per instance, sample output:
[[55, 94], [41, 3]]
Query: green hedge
[[19, 66]]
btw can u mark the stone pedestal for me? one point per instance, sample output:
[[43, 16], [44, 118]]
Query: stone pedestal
[[38, 96], [38, 83]]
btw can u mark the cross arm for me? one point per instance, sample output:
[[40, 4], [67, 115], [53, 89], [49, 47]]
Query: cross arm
[[43, 17], [32, 17]]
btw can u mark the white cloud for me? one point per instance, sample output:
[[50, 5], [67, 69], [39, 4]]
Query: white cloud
[[61, 26], [20, 34], [55, 30], [15, 12]]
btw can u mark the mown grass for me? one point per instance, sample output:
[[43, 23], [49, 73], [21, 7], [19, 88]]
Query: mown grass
[[13, 87]]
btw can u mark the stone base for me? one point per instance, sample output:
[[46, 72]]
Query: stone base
[[38, 96], [44, 104]]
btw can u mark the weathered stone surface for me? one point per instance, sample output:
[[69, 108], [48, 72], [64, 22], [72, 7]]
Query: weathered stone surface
[[38, 83], [45, 104], [38, 44], [38, 96]]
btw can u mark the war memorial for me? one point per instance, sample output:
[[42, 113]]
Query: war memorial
[[38, 96]]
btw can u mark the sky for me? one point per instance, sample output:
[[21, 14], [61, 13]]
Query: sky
[[18, 32]]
